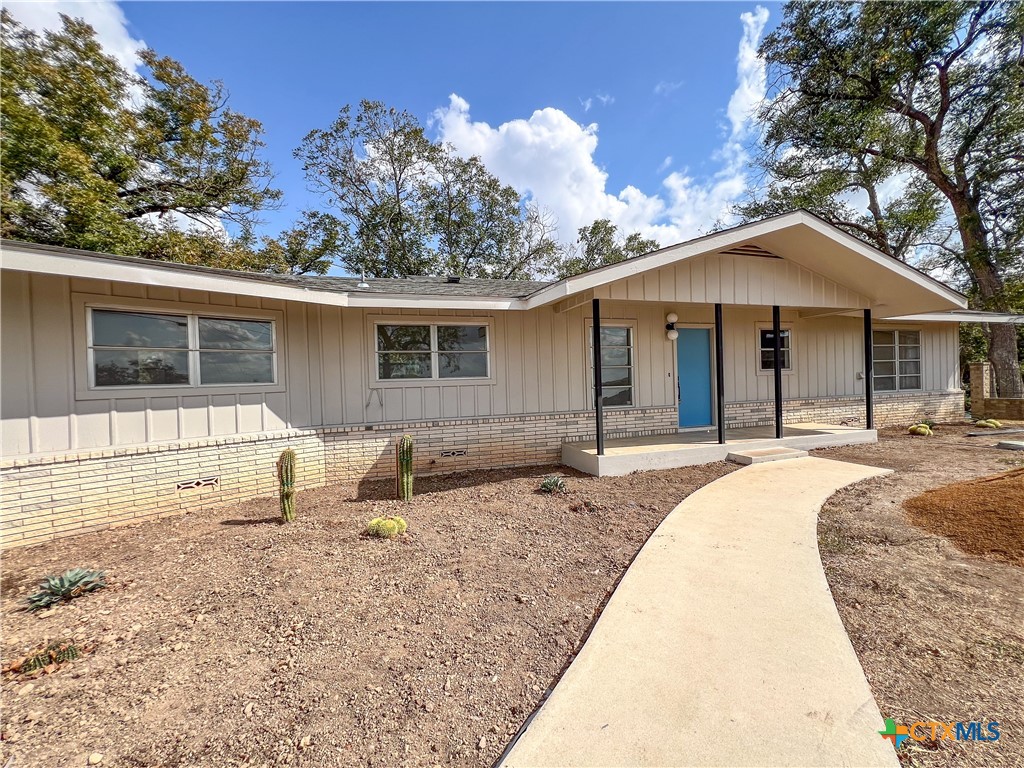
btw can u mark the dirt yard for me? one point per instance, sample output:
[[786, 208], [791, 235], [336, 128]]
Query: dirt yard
[[939, 632], [228, 639]]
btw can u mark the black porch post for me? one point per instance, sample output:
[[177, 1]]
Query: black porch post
[[598, 394], [777, 334], [719, 375], [869, 371]]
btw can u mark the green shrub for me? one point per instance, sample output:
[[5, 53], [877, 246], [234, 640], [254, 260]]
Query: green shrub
[[66, 587], [554, 484], [386, 527], [59, 652]]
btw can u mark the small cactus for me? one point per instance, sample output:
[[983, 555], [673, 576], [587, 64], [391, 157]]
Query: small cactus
[[404, 459], [386, 527], [286, 482]]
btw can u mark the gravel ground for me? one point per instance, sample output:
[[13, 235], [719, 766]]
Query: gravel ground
[[225, 638], [939, 632]]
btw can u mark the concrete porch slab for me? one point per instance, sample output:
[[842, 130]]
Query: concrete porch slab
[[633, 454]]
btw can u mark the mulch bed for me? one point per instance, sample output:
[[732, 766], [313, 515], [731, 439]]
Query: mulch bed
[[983, 516], [226, 638]]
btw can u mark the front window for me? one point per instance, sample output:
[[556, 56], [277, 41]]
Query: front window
[[449, 351], [767, 349], [150, 349], [616, 364], [897, 357]]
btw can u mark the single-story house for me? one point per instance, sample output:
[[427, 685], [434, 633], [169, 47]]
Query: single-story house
[[136, 388]]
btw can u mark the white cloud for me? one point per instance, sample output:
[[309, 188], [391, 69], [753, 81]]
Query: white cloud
[[105, 16], [549, 157], [665, 164], [665, 87], [606, 101]]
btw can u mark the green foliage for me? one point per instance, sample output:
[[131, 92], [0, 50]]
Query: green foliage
[[404, 457], [99, 158], [66, 587], [59, 652], [411, 206], [387, 527], [554, 484], [923, 98], [286, 484], [922, 429], [598, 246]]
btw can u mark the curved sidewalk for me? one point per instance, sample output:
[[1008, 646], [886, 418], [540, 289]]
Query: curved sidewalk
[[721, 645]]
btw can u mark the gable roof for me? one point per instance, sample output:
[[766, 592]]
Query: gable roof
[[894, 288]]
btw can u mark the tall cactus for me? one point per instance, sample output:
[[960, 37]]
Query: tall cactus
[[286, 483], [404, 452]]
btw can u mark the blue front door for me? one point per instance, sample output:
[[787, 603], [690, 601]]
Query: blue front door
[[694, 364]]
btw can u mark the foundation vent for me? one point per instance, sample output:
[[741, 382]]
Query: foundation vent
[[750, 249], [454, 452], [202, 482]]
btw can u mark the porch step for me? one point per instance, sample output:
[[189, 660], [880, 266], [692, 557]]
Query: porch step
[[760, 455]]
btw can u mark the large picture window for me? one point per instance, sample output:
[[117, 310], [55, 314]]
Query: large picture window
[[150, 349], [429, 351], [616, 364], [766, 348], [897, 357]]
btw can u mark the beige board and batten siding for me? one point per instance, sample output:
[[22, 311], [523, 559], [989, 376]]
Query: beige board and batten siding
[[539, 363]]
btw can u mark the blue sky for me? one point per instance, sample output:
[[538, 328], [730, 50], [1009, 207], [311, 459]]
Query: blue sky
[[635, 112]]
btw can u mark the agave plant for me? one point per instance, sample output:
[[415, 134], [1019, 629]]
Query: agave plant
[[67, 586], [553, 484]]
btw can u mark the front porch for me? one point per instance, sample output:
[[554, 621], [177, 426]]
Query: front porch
[[630, 454]]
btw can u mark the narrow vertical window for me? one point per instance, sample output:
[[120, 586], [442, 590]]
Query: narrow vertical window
[[616, 364]]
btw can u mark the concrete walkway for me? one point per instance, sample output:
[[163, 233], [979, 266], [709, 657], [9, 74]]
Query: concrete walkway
[[721, 645]]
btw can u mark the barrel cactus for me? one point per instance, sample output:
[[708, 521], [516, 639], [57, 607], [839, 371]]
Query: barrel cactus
[[386, 527], [404, 451], [286, 484]]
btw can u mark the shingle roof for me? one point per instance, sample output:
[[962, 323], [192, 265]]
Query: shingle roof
[[419, 286]]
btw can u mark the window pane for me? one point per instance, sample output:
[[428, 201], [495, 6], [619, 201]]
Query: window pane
[[461, 365], [884, 337], [616, 377], [886, 368], [767, 359], [618, 396], [116, 368], [884, 353], [885, 383], [614, 337], [910, 337], [403, 365], [236, 367], [138, 329], [615, 356], [910, 366], [910, 382], [768, 338], [910, 353], [235, 334], [397, 338], [453, 338]]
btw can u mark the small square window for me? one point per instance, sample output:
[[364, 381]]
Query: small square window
[[766, 339]]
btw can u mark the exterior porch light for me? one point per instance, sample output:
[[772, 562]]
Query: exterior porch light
[[670, 325]]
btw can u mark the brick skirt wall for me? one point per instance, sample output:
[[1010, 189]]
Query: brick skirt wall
[[891, 409], [63, 495], [45, 497]]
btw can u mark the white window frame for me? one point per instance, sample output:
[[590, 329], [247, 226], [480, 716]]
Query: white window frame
[[433, 323], [85, 373], [786, 370], [896, 360], [589, 345]]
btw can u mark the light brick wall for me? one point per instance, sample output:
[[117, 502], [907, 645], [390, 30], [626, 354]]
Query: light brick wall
[[47, 497], [983, 403], [891, 409]]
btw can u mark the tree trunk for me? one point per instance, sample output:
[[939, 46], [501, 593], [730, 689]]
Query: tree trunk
[[1002, 337]]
